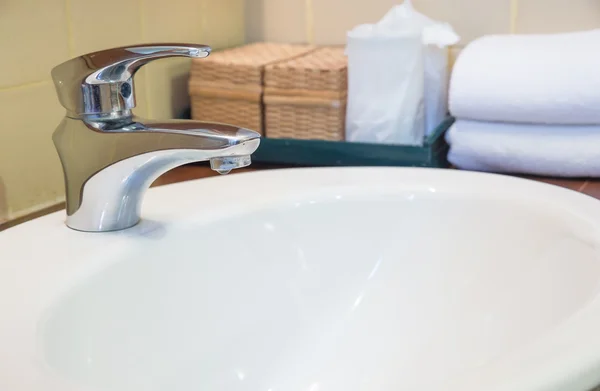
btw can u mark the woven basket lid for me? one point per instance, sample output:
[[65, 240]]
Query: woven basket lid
[[245, 64], [256, 54], [322, 69]]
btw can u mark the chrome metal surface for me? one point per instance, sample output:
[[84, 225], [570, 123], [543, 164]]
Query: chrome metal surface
[[102, 82], [109, 156]]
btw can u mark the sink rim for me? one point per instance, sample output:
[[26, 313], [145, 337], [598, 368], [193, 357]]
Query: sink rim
[[566, 358]]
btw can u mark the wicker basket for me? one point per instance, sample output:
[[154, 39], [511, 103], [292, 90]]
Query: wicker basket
[[226, 104], [228, 85], [305, 97]]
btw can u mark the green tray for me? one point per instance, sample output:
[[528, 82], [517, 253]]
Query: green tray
[[433, 153]]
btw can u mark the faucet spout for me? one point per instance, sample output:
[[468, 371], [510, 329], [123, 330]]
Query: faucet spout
[[108, 165]]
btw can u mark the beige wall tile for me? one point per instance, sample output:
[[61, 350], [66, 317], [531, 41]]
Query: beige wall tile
[[175, 21], [276, 20], [33, 38], [168, 95], [453, 54], [470, 18], [333, 18], [30, 170], [102, 25], [552, 16], [3, 203], [223, 23], [216, 23], [142, 108], [89, 34], [166, 79]]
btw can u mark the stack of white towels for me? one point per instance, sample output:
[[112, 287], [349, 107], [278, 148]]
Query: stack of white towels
[[528, 104]]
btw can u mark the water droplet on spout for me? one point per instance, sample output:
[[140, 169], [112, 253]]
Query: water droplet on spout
[[224, 165]]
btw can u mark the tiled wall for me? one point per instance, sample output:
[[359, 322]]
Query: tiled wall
[[326, 21], [36, 35]]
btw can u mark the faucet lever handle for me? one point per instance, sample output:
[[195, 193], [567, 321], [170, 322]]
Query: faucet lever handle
[[101, 83]]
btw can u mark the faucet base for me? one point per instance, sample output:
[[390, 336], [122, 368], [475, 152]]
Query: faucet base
[[112, 198], [76, 226]]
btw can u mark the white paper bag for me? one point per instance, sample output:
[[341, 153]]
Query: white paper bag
[[397, 77]]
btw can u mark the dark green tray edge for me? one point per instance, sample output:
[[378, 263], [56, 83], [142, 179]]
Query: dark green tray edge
[[292, 152]]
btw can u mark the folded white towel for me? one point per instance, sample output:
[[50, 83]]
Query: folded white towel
[[550, 79], [567, 151]]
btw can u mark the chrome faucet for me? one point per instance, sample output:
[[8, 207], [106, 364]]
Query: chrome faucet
[[109, 156]]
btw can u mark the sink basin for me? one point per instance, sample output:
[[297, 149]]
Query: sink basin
[[349, 279]]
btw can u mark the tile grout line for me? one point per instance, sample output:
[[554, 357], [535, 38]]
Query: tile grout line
[[70, 43], [142, 5], [309, 18], [141, 15], [514, 15], [24, 85], [203, 19]]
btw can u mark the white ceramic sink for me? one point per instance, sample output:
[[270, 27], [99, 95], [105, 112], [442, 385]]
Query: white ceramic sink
[[312, 280]]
